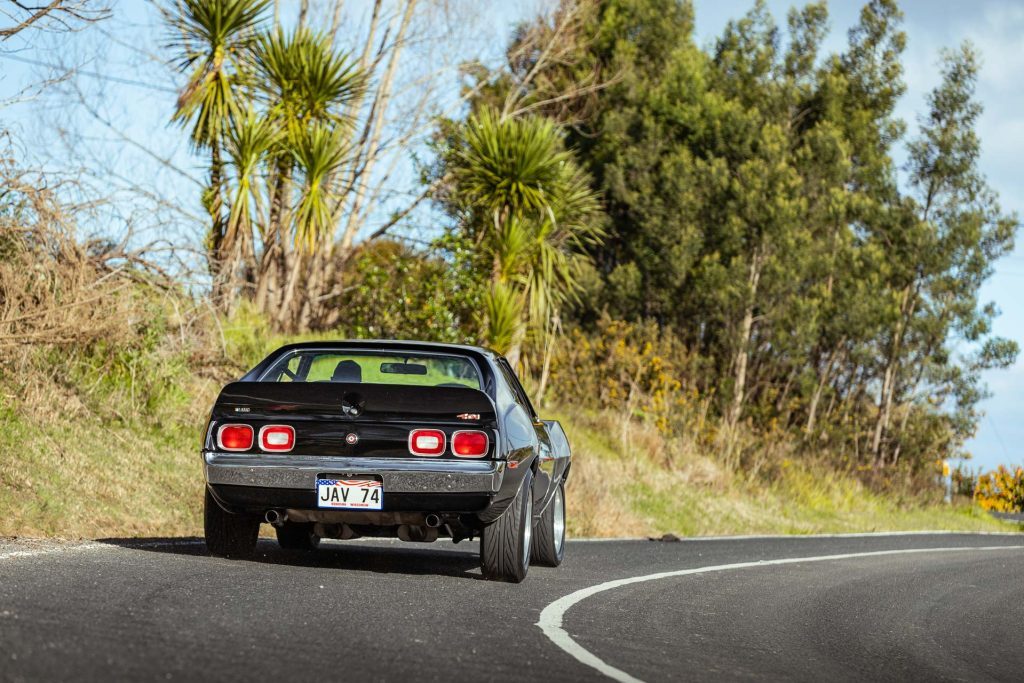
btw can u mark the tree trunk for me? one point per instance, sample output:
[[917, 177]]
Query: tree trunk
[[216, 246], [287, 311], [335, 20], [370, 142], [273, 265], [549, 351], [823, 378], [743, 349], [514, 351], [314, 288], [889, 378]]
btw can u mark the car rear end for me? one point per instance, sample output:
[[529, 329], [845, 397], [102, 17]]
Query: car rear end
[[358, 441]]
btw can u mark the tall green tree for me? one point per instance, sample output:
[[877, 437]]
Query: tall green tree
[[953, 234], [213, 38], [754, 208], [527, 207], [305, 86]]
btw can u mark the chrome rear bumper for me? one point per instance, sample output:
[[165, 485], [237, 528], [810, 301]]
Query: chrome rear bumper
[[400, 475]]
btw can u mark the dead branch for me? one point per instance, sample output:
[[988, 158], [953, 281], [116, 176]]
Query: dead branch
[[58, 15]]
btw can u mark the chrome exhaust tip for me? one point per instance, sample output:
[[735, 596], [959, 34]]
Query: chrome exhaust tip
[[275, 517]]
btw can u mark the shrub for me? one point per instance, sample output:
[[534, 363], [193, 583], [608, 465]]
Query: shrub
[[391, 291], [635, 369], [1001, 490], [89, 324]]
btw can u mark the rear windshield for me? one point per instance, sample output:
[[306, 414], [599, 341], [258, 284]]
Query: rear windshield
[[369, 367]]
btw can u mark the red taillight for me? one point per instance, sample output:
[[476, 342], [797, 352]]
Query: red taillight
[[234, 437], [470, 444], [277, 438], [426, 442]]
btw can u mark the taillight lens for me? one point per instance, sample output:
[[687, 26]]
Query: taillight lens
[[277, 438], [235, 437], [470, 444], [428, 442]]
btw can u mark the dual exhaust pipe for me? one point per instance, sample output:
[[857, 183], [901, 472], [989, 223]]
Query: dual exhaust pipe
[[427, 533], [279, 517]]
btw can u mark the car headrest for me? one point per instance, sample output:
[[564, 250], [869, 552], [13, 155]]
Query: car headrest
[[347, 371]]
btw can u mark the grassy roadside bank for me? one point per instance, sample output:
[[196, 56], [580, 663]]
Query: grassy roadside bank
[[79, 474]]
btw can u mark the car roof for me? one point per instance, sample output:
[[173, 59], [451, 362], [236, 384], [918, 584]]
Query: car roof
[[385, 344]]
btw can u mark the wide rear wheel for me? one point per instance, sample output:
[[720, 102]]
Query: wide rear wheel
[[548, 547], [227, 534], [505, 543]]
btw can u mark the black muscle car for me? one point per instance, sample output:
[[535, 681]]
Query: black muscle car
[[386, 438]]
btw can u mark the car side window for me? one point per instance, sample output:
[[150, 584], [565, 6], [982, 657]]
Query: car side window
[[290, 371], [517, 388]]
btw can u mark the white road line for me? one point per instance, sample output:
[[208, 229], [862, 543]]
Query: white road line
[[91, 545], [129, 544], [858, 534], [550, 621], [52, 550], [755, 537]]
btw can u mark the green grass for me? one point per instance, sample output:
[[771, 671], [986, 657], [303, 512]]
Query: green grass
[[82, 476], [111, 448], [695, 496]]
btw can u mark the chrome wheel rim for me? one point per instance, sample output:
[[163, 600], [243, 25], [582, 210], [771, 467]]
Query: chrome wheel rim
[[528, 531], [558, 524]]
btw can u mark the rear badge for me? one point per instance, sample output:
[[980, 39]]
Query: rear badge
[[468, 416], [351, 439]]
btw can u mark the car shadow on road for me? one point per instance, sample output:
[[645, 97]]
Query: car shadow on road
[[372, 555]]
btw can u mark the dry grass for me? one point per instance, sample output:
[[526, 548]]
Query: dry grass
[[646, 485], [78, 474], [105, 379]]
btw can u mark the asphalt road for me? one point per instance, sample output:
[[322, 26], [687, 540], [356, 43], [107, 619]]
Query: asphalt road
[[754, 608]]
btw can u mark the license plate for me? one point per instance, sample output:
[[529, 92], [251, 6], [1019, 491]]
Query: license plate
[[349, 494]]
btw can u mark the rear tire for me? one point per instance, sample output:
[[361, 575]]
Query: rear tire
[[297, 536], [548, 546], [228, 535], [505, 543]]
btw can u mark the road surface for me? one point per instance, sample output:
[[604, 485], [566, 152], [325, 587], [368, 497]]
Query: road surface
[[878, 607]]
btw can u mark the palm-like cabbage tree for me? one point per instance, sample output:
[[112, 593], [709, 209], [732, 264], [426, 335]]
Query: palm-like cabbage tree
[[305, 85], [532, 213], [279, 104], [302, 81], [248, 141], [213, 38], [319, 152], [302, 78]]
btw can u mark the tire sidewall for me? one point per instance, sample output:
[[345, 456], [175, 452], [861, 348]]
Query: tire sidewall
[[559, 543], [227, 534], [526, 535]]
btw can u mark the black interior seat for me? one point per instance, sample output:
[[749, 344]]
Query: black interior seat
[[347, 371]]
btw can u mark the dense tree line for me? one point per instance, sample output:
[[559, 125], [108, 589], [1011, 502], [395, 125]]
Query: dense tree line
[[755, 209], [743, 200]]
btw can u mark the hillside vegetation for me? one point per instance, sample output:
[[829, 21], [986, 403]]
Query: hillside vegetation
[[103, 440], [73, 469], [704, 259]]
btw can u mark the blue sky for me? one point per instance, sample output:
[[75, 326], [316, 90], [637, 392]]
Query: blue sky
[[128, 44]]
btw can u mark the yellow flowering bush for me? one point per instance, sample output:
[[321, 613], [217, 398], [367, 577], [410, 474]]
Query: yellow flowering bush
[[1001, 490], [636, 369]]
